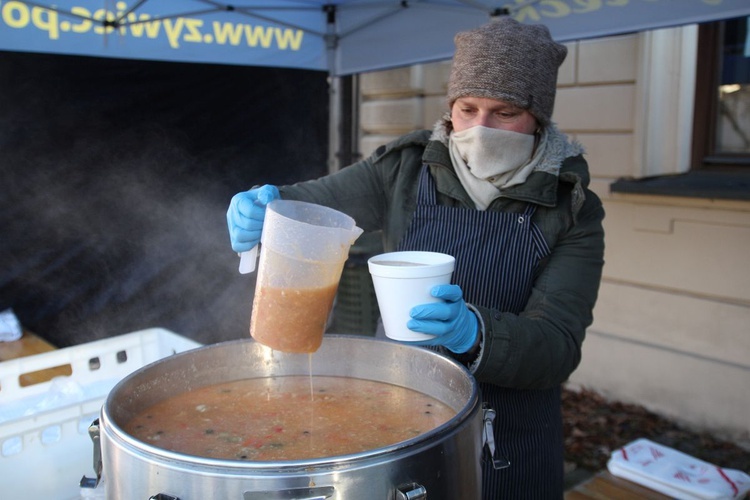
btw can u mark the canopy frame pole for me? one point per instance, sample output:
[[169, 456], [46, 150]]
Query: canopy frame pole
[[334, 91]]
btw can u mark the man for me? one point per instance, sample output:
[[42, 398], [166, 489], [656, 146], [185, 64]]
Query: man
[[500, 188]]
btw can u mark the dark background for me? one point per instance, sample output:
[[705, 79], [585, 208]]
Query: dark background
[[115, 177]]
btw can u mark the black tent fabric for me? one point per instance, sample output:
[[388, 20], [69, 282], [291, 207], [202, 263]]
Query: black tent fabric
[[115, 176]]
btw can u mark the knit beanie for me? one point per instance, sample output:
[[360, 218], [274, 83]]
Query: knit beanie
[[509, 61]]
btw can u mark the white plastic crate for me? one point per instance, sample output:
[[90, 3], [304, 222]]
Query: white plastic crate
[[45, 448]]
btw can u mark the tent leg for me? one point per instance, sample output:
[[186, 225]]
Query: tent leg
[[334, 116], [343, 128]]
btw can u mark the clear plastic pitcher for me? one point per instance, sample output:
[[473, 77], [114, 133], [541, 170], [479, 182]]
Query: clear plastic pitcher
[[303, 250]]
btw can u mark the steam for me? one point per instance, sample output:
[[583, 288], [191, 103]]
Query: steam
[[114, 184]]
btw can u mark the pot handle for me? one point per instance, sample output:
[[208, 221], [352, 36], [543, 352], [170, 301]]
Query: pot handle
[[411, 491], [498, 461], [319, 493], [87, 482]]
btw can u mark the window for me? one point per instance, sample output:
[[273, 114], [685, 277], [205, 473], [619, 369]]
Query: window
[[721, 135], [719, 164]]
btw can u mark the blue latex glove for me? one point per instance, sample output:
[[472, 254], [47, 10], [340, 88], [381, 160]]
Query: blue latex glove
[[245, 216], [452, 322]]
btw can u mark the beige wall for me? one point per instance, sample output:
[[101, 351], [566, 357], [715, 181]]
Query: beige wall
[[672, 324]]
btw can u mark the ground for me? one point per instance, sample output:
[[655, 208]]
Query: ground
[[594, 427]]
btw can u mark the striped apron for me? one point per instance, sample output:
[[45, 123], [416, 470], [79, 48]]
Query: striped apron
[[497, 254]]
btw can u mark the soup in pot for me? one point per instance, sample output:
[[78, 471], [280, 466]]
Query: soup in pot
[[288, 418]]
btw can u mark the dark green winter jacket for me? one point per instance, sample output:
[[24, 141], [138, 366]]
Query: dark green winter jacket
[[540, 347]]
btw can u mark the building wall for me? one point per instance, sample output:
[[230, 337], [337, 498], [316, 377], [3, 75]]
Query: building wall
[[672, 323]]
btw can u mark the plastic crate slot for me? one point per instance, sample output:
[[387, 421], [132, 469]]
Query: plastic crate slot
[[94, 363], [122, 356], [44, 375], [52, 434], [12, 446]]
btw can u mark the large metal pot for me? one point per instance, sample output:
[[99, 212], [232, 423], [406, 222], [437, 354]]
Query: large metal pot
[[444, 462]]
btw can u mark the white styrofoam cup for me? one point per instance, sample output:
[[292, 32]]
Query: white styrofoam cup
[[403, 280]]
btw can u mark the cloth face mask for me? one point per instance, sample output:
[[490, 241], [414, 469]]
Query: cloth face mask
[[488, 159]]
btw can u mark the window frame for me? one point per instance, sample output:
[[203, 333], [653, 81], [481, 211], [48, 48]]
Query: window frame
[[703, 154]]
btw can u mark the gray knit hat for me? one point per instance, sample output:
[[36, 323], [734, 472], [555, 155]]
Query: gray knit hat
[[510, 61]]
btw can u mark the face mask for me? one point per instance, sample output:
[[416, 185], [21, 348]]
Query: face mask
[[493, 154], [487, 159]]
